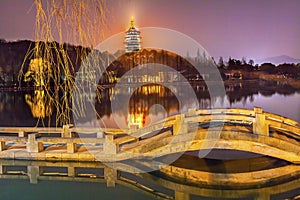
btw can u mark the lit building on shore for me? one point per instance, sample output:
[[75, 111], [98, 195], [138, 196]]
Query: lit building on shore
[[132, 38]]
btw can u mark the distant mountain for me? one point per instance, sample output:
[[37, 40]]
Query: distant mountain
[[278, 60]]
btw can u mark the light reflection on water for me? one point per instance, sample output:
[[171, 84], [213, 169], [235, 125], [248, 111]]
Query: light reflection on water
[[147, 104], [140, 105]]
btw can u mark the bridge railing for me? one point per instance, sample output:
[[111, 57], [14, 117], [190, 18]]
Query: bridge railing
[[247, 112], [65, 131], [111, 139], [247, 117], [34, 139], [135, 135]]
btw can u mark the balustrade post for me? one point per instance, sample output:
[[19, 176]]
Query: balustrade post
[[179, 127], [66, 132], [32, 145], [260, 125], [109, 147], [100, 134], [71, 147], [2, 169], [192, 127], [33, 173], [111, 176], [72, 171], [22, 134], [2, 145]]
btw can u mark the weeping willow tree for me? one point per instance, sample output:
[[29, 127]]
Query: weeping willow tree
[[59, 22]]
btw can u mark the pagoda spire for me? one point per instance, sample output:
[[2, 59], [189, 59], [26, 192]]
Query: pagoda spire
[[132, 23]]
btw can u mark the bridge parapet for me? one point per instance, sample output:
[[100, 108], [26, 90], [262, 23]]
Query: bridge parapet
[[110, 141], [261, 121]]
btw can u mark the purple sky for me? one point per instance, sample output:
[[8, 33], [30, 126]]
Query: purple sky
[[250, 28]]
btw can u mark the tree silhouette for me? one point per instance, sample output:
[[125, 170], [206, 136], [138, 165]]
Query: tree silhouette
[[251, 62]]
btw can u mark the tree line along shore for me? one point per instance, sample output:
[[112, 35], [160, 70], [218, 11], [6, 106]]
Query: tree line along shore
[[14, 55]]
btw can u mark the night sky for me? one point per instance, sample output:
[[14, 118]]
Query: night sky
[[250, 28]]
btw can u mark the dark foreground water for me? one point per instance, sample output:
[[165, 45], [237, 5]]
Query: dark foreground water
[[54, 182]]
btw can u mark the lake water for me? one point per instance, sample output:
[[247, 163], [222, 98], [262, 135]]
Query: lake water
[[55, 183], [146, 104], [26, 108]]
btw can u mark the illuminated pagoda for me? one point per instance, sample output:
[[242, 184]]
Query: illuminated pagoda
[[132, 38]]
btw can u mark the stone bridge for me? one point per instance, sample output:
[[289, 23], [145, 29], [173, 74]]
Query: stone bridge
[[252, 131]]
